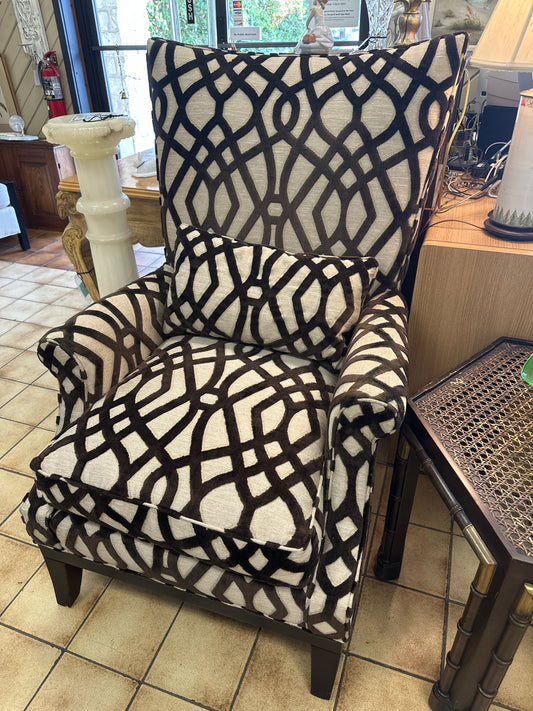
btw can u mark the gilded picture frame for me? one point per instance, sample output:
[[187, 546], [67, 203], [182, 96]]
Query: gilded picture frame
[[8, 100]]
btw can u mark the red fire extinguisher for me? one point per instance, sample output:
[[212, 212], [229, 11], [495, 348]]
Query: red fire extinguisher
[[51, 82]]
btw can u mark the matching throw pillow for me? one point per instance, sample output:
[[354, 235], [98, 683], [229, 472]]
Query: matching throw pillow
[[302, 304]]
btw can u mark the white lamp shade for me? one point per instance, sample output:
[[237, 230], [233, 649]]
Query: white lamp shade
[[507, 42]]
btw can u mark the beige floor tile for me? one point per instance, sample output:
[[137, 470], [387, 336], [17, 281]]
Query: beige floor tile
[[74, 300], [25, 663], [47, 293], [148, 699], [370, 687], [288, 662], [25, 368], [50, 422], [425, 559], [5, 303], [47, 380], [13, 487], [8, 390], [52, 316], [126, 628], [399, 627], [21, 310], [10, 434], [63, 278], [42, 275], [6, 325], [36, 611], [78, 685], [464, 564], [428, 508], [18, 271], [7, 354], [15, 528], [18, 562], [20, 456], [17, 289], [517, 687], [203, 657], [31, 406], [23, 335]]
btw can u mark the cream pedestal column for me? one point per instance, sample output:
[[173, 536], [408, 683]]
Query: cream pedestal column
[[93, 145]]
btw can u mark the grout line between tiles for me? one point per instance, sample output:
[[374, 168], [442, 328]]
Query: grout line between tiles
[[171, 625], [28, 634], [18, 593], [40, 686], [18, 540], [198, 704], [392, 668], [239, 685], [89, 612], [407, 587]]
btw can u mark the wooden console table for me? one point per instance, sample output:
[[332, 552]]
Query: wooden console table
[[144, 218], [470, 289]]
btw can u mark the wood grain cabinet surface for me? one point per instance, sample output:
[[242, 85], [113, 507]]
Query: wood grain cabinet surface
[[470, 289], [36, 168]]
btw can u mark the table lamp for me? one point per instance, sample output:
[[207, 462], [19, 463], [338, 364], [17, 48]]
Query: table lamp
[[507, 45]]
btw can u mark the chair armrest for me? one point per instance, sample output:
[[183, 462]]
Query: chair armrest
[[96, 348], [373, 379], [369, 402]]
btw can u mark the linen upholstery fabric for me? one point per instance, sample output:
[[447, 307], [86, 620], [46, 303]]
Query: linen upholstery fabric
[[342, 149], [301, 304], [322, 154], [161, 456]]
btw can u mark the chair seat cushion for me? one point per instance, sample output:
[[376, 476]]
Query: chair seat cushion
[[210, 447]]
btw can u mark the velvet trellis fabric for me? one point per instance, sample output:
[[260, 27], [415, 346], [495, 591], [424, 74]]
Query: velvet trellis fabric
[[303, 304], [229, 469]]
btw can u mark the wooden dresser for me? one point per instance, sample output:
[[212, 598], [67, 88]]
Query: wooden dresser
[[36, 168]]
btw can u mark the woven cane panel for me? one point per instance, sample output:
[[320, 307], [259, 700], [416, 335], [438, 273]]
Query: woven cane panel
[[483, 416]]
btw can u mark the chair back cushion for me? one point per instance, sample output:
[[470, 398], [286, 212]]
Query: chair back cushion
[[307, 153], [303, 304]]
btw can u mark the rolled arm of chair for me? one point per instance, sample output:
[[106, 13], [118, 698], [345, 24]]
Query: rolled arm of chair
[[373, 380], [368, 403], [96, 348]]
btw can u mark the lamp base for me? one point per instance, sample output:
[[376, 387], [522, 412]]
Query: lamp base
[[511, 233]]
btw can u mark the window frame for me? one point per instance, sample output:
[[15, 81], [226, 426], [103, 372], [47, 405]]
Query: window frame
[[82, 53]]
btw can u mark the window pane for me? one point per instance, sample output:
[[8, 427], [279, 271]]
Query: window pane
[[127, 82]]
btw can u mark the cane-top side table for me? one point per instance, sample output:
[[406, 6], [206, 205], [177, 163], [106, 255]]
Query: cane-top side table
[[473, 431]]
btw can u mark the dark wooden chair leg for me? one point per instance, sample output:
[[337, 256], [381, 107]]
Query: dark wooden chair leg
[[401, 496], [66, 579], [324, 665]]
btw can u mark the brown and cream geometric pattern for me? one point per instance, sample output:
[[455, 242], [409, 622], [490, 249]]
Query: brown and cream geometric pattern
[[322, 154], [168, 452], [303, 304]]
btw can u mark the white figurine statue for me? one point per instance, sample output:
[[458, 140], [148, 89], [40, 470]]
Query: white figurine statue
[[317, 37]]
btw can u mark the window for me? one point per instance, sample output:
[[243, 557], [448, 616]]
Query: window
[[113, 35]]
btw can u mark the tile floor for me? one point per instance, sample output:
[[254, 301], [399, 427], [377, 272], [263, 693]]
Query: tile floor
[[121, 648]]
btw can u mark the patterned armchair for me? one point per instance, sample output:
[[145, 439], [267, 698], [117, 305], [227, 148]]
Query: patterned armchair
[[219, 418]]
